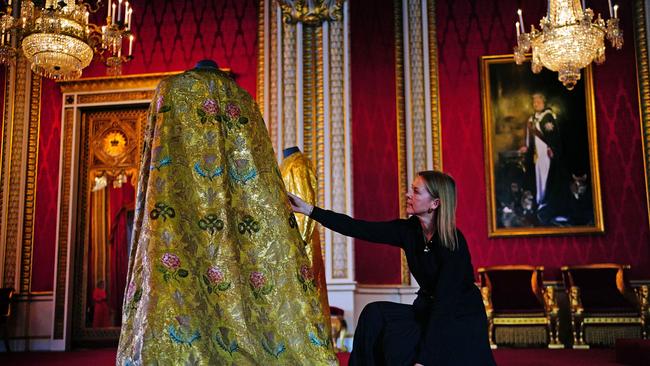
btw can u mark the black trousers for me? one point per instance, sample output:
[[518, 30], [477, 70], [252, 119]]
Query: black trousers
[[387, 333]]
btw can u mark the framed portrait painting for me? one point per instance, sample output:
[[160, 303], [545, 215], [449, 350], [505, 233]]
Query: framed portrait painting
[[541, 159]]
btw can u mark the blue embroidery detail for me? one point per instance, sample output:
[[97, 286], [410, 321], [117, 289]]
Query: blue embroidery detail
[[178, 337], [315, 340], [242, 178], [210, 175], [273, 351], [161, 163]]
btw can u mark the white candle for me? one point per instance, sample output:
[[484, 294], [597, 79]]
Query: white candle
[[128, 19], [119, 10], [583, 5], [521, 21], [87, 15], [615, 11], [609, 2], [113, 14], [130, 45], [517, 29]]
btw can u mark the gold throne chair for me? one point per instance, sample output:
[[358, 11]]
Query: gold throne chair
[[519, 309], [604, 307]]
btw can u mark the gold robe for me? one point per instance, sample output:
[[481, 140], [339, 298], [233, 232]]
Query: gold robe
[[300, 178], [218, 274]]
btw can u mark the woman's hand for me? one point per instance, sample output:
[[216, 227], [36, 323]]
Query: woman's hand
[[300, 206]]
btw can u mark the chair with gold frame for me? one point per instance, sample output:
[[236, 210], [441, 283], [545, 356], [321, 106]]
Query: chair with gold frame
[[520, 310], [604, 307], [6, 298]]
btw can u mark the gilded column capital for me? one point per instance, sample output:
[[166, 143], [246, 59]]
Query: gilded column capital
[[311, 12]]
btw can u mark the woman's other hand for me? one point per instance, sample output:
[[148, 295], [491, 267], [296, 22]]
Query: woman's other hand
[[300, 206]]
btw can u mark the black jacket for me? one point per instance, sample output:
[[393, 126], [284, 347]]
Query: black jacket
[[447, 290]]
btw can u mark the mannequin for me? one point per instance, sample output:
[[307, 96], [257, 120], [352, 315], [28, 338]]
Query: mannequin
[[300, 177]]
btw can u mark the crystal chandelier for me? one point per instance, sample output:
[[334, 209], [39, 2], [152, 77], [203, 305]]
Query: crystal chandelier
[[59, 41], [569, 39]]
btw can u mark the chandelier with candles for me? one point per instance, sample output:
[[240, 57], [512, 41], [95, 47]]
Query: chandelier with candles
[[58, 39], [569, 39]]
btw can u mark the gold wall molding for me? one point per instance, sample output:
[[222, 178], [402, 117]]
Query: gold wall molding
[[30, 184], [643, 83], [339, 145], [14, 156], [400, 107], [101, 84], [114, 97], [65, 181], [290, 85], [434, 95], [7, 123]]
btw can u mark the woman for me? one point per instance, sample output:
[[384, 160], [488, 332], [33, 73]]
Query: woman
[[448, 317]]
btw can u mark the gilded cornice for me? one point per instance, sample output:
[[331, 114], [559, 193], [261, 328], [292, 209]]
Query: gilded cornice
[[107, 83], [312, 13], [641, 39]]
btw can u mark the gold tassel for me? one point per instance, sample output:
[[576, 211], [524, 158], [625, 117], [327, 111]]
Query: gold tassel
[[607, 335], [520, 335]]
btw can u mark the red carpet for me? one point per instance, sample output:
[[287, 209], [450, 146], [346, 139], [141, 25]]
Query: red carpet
[[504, 357]]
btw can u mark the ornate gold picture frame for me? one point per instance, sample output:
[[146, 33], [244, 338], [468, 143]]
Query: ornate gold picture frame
[[541, 163]]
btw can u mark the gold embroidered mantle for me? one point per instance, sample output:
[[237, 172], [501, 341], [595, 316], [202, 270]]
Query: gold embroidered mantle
[[218, 272]]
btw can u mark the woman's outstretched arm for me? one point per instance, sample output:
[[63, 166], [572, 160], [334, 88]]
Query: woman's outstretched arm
[[386, 232]]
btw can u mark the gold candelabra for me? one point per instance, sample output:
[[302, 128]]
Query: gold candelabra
[[58, 39], [569, 39]]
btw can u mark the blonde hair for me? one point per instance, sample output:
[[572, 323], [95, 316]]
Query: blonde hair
[[442, 186]]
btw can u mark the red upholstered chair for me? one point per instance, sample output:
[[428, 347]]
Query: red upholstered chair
[[604, 307], [6, 296], [520, 310]]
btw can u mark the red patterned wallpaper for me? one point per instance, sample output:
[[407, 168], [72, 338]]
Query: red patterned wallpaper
[[171, 36], [470, 29], [374, 131], [47, 187]]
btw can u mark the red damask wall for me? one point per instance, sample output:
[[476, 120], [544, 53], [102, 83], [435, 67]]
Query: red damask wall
[[470, 29], [374, 131], [467, 30], [171, 36]]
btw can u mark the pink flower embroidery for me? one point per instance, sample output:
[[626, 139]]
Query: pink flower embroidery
[[306, 273], [233, 111], [130, 291], [159, 103], [210, 107], [215, 275], [171, 261], [257, 280]]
